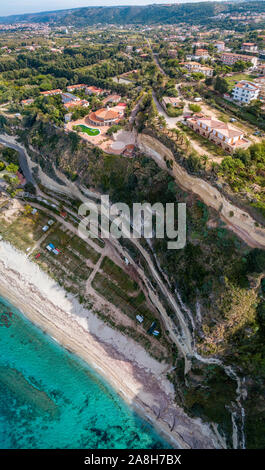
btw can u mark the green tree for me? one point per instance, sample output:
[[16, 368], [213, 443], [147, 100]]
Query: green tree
[[12, 168], [221, 85]]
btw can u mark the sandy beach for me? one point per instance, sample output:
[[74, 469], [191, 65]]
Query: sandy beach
[[136, 376]]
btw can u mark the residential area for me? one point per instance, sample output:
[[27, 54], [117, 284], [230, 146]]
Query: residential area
[[201, 87]]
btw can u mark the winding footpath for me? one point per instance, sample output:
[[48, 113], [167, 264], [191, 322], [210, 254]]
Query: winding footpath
[[182, 331]]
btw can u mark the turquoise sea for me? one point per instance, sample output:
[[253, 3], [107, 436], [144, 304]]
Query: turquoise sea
[[50, 399]]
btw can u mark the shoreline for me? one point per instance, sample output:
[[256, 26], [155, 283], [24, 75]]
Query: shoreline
[[139, 379]]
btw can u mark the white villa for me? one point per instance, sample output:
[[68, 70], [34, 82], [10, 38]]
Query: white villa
[[245, 92]]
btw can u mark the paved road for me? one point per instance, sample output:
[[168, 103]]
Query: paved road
[[22, 159], [135, 111], [155, 56], [171, 121]]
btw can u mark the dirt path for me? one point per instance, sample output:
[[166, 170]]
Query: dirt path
[[181, 335]]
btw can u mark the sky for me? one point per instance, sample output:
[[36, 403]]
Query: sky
[[31, 6]]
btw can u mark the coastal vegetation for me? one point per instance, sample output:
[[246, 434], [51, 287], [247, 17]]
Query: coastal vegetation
[[205, 302], [215, 269]]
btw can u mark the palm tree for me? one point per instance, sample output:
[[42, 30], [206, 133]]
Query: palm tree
[[182, 137], [205, 159], [177, 132]]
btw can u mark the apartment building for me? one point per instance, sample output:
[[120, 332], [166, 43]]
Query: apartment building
[[197, 67], [229, 58], [249, 47], [260, 82], [80, 86], [93, 90], [51, 92], [227, 136], [80, 103], [220, 46], [245, 92], [172, 53], [200, 54], [69, 98]]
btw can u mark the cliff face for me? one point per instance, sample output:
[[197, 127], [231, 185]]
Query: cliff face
[[215, 274], [241, 223], [155, 149], [226, 306]]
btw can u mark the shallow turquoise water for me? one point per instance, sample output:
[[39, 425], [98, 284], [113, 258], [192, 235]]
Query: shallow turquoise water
[[51, 399]]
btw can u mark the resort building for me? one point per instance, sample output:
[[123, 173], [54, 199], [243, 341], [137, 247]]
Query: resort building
[[220, 46], [228, 58], [197, 67], [27, 102], [68, 98], [249, 47], [70, 104], [227, 136], [111, 99], [67, 117], [51, 92], [93, 90], [200, 54], [245, 92], [104, 117], [81, 86]]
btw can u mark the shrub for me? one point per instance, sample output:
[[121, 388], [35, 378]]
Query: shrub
[[195, 108]]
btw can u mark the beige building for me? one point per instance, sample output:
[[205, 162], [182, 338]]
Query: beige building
[[229, 58], [51, 92], [104, 117], [230, 138], [175, 102], [80, 86]]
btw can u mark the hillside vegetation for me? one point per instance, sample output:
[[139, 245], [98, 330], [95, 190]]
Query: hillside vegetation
[[215, 273], [193, 13]]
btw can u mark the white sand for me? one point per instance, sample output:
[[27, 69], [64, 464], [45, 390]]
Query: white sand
[[139, 378]]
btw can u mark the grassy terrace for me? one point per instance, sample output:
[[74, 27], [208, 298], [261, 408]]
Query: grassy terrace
[[70, 267], [237, 78], [66, 269], [67, 242], [25, 230], [119, 289], [118, 275]]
